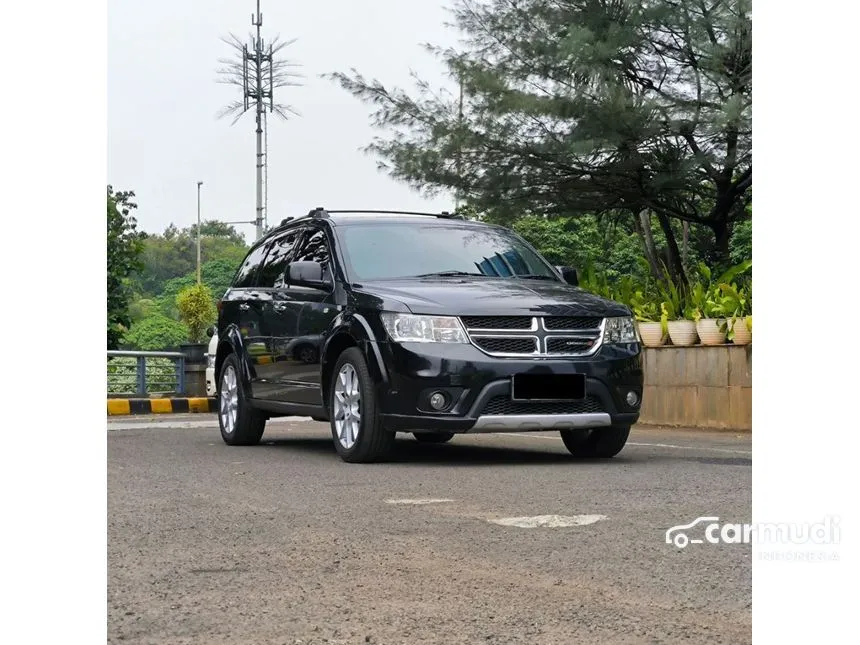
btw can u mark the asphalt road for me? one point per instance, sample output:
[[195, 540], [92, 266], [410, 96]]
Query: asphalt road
[[285, 543]]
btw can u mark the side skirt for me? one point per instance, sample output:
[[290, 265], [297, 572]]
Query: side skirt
[[279, 408]]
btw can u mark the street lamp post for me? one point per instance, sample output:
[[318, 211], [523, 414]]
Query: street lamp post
[[199, 184]]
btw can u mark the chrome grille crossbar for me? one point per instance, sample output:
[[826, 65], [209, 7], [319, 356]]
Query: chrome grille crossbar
[[509, 337]]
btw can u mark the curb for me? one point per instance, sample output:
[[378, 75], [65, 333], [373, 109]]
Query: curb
[[116, 407]]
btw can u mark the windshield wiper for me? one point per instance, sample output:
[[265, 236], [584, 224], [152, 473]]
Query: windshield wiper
[[445, 274]]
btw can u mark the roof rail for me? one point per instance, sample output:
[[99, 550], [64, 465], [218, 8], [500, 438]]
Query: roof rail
[[443, 214]]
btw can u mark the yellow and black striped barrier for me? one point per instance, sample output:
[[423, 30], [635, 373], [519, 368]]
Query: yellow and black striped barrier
[[161, 406]]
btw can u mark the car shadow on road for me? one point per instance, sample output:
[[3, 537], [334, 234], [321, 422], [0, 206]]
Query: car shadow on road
[[409, 452]]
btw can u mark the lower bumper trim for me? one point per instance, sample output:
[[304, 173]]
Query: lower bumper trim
[[526, 422]]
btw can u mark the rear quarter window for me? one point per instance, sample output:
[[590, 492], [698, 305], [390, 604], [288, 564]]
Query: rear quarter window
[[247, 274]]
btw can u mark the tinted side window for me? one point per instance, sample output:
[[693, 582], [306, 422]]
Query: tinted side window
[[315, 248], [248, 270], [272, 272]]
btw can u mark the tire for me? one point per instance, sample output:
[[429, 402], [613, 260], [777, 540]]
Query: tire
[[600, 443], [433, 437], [356, 426], [240, 424]]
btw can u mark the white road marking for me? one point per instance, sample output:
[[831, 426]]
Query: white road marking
[[669, 445], [166, 422], [419, 501], [548, 521], [637, 443]]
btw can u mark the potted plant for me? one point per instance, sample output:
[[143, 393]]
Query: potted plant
[[652, 329], [736, 302], [677, 315], [625, 290], [682, 331], [748, 318], [197, 311], [710, 327]]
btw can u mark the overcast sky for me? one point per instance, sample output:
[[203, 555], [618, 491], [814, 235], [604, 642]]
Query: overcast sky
[[163, 130]]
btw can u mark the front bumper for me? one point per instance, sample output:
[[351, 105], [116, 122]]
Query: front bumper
[[479, 389]]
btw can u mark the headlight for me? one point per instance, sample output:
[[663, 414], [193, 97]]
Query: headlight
[[620, 330], [409, 328], [210, 360]]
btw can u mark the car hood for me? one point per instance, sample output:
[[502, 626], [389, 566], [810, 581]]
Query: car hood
[[487, 296]]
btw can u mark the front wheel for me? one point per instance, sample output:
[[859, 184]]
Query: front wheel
[[599, 443], [240, 424], [356, 425]]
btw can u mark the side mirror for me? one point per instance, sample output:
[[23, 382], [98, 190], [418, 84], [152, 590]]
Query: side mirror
[[210, 332], [569, 275], [306, 274]]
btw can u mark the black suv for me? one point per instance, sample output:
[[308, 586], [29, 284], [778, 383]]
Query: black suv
[[389, 322]]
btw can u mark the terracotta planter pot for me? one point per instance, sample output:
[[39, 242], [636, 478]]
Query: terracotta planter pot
[[683, 332], [743, 336], [709, 331], [652, 334]]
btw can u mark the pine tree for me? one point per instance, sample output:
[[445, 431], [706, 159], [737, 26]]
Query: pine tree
[[585, 106]]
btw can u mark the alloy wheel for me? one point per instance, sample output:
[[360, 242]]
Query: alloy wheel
[[347, 406], [228, 407]]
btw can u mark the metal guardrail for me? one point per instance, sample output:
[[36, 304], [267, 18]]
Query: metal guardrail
[[141, 378]]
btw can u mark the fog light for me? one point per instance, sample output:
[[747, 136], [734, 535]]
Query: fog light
[[632, 399], [438, 401]]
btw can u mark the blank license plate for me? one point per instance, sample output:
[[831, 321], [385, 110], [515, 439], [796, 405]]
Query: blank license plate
[[548, 387]]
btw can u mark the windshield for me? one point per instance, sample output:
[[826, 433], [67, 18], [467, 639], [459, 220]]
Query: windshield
[[387, 251]]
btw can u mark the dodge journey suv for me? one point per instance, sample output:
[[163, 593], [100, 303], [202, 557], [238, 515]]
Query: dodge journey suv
[[381, 322]]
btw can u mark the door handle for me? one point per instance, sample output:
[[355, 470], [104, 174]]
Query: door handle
[[279, 306], [244, 307]]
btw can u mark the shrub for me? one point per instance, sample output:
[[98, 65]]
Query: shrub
[[196, 310], [156, 333]]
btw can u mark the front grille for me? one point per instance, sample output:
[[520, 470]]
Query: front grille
[[503, 405], [498, 322], [557, 323], [562, 345], [507, 345], [510, 336]]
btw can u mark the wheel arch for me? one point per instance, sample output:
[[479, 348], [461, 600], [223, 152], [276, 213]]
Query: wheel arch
[[231, 343], [353, 331]]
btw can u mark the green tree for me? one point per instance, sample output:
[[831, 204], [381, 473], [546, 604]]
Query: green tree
[[166, 300], [196, 310], [123, 259], [173, 254], [741, 244], [141, 309], [219, 230], [218, 274], [583, 242], [156, 333], [585, 107]]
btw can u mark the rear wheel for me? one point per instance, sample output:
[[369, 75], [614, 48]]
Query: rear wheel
[[600, 443], [356, 425], [240, 424], [433, 437]]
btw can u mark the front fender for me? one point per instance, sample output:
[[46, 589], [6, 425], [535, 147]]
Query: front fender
[[230, 340], [351, 329]]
